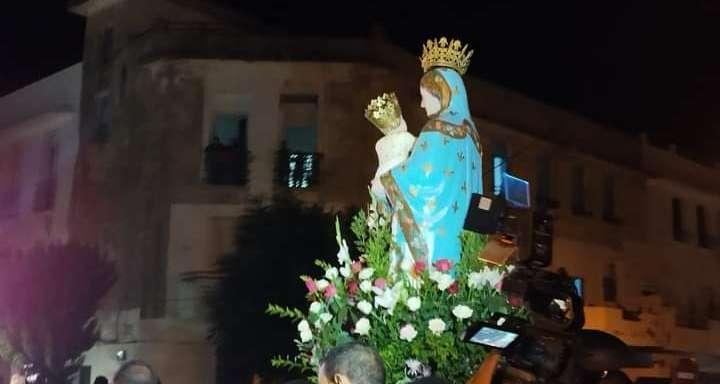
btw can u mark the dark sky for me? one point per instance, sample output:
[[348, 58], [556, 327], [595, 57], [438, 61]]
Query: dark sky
[[636, 65]]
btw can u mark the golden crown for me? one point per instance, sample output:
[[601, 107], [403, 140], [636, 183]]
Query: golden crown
[[444, 53], [384, 112]]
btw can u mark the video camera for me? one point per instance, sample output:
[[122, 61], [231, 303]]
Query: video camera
[[549, 346]]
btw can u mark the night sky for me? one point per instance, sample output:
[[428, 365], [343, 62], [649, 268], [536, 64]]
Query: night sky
[[639, 66]]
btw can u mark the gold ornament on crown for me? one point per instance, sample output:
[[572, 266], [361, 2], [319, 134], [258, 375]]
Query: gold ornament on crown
[[444, 53], [384, 112]]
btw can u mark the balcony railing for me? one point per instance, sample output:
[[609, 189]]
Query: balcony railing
[[297, 170], [226, 166]]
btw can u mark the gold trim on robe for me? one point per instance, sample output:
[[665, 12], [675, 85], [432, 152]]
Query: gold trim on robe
[[410, 229]]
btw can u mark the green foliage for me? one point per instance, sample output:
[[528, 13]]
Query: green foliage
[[275, 243], [374, 237], [345, 301]]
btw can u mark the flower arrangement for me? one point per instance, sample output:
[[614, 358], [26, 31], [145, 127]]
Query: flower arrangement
[[416, 318]]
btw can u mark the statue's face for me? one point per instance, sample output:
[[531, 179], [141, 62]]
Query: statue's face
[[430, 103]]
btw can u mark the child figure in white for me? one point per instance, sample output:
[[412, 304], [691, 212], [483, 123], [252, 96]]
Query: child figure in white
[[393, 148]]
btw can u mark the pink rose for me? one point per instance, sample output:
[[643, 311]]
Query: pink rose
[[516, 301], [330, 291], [356, 267], [380, 283], [310, 285], [443, 265], [419, 267], [352, 287], [453, 288]]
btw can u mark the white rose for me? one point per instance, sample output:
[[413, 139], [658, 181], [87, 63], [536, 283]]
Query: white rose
[[326, 317], [366, 286], [346, 271], [443, 280], [408, 332], [362, 327], [462, 312], [413, 303], [321, 284], [364, 307], [331, 273], [366, 273], [436, 326], [316, 307]]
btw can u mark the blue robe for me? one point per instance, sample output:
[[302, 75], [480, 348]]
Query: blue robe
[[430, 192]]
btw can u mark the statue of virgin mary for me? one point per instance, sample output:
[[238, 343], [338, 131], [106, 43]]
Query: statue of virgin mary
[[430, 191]]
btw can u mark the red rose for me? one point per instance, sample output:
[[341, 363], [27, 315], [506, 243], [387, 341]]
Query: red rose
[[330, 291], [453, 288], [443, 265], [516, 301], [356, 267], [419, 267], [310, 285], [380, 283], [352, 287]]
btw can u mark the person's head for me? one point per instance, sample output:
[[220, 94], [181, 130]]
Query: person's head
[[135, 372], [101, 380], [351, 363]]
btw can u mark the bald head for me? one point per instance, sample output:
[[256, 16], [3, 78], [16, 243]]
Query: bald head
[[352, 363], [135, 372]]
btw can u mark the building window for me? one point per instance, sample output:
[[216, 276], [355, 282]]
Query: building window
[[298, 161], [701, 227], [106, 46], [609, 199], [677, 221], [543, 181], [44, 198], [578, 191], [227, 157], [103, 115], [10, 161]]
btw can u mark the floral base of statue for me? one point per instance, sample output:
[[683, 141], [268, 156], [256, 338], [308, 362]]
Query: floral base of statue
[[415, 319]]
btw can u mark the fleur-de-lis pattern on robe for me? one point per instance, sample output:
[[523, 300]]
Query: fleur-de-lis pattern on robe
[[430, 192]]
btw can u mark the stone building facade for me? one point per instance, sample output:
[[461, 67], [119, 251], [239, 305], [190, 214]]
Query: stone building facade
[[168, 82], [38, 149]]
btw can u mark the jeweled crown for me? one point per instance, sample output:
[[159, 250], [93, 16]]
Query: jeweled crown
[[384, 112], [444, 53]]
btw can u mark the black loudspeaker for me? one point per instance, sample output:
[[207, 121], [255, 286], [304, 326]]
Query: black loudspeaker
[[484, 214], [542, 240]]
